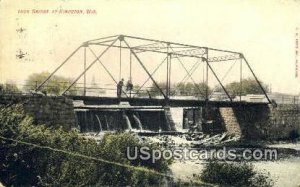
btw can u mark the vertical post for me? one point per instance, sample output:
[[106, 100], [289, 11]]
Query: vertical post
[[194, 117], [170, 65], [36, 84], [145, 69], [87, 68], [167, 83], [84, 75], [120, 68], [206, 91], [294, 100], [203, 74], [130, 70], [241, 78]]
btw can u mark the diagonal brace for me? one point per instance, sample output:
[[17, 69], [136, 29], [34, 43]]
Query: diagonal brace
[[151, 75], [141, 63], [63, 63], [217, 79], [106, 70], [89, 67]]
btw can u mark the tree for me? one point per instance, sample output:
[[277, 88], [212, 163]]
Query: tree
[[9, 88], [186, 89], [200, 90], [190, 89], [154, 91], [55, 86], [183, 89], [64, 158], [234, 174], [247, 86]]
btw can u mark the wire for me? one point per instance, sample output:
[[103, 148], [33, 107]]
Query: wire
[[141, 169], [87, 157]]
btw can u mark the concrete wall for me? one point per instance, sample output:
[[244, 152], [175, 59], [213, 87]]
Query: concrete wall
[[51, 111], [262, 122], [252, 122]]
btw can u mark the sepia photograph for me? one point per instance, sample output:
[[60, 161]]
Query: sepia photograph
[[167, 93]]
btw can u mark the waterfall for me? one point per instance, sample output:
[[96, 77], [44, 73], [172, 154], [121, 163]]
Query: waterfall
[[107, 127], [177, 116], [138, 121], [99, 122], [85, 122], [127, 122]]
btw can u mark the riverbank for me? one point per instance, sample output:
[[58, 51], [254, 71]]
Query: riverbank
[[284, 170]]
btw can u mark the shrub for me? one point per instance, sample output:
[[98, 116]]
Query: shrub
[[294, 135], [234, 174], [114, 147], [23, 165]]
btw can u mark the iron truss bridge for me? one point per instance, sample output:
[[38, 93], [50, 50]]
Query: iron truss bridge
[[171, 50]]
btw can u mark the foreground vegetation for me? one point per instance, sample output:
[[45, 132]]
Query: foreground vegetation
[[42, 165], [234, 174], [34, 155]]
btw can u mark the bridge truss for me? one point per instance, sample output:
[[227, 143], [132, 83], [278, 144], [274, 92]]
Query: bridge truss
[[172, 52]]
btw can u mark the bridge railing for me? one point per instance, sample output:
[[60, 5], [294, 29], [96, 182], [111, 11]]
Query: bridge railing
[[295, 100], [145, 92]]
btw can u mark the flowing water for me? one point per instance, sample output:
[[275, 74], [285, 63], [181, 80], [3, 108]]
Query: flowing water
[[99, 122], [129, 127], [138, 122], [177, 115], [106, 122], [284, 172]]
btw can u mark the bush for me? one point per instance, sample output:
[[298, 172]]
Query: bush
[[30, 165], [293, 135], [114, 147], [234, 174]]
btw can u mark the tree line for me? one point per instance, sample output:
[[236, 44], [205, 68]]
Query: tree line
[[57, 84], [200, 90]]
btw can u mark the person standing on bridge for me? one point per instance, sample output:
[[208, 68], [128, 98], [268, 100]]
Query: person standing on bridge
[[129, 86], [119, 88]]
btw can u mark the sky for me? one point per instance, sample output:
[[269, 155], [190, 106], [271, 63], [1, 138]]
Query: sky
[[264, 31]]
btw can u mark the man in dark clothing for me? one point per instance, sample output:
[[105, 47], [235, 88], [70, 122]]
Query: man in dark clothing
[[129, 85], [119, 88]]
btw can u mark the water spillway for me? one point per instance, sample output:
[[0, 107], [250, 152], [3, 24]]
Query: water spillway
[[96, 120], [100, 125], [138, 121]]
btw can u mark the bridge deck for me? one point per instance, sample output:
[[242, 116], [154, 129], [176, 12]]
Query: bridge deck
[[92, 100]]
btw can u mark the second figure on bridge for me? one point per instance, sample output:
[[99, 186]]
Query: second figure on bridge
[[119, 88]]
